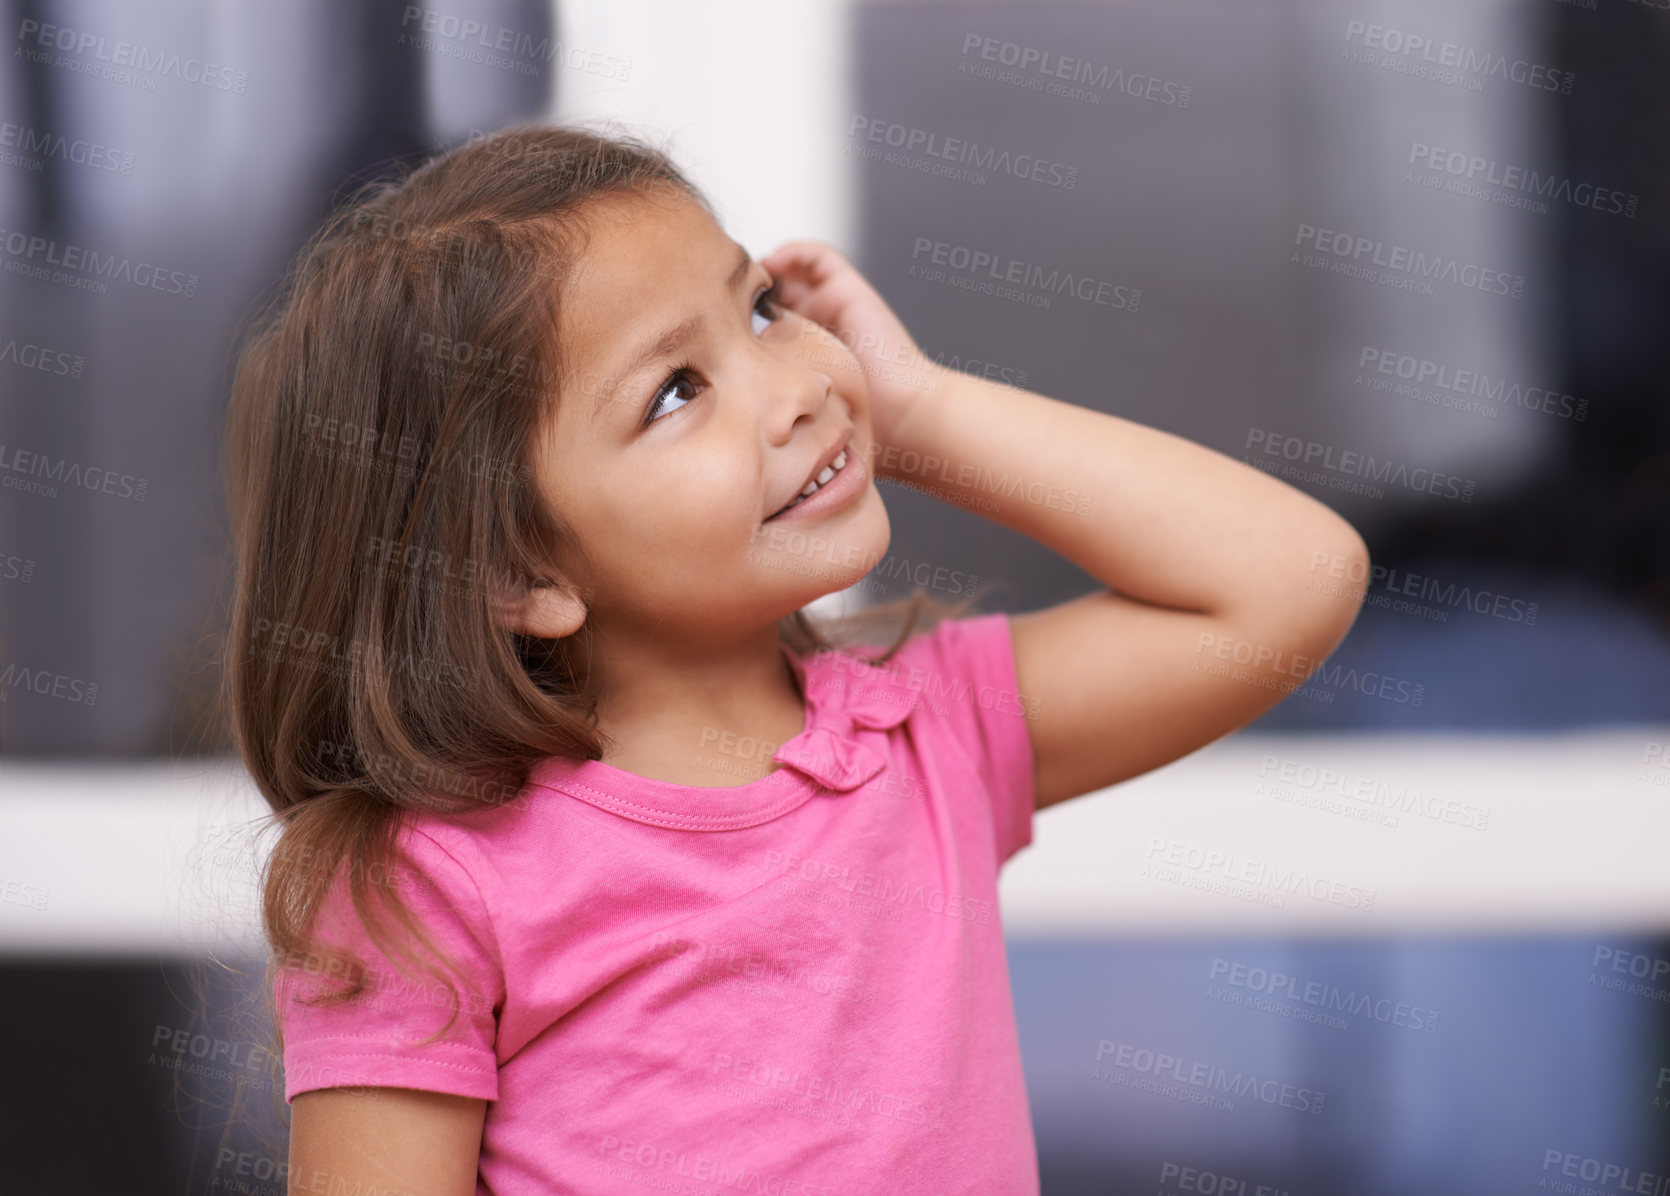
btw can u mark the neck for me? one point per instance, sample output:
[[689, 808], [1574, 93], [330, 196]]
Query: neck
[[710, 709]]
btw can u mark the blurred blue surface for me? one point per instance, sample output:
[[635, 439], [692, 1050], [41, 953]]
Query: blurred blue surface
[[1529, 1054]]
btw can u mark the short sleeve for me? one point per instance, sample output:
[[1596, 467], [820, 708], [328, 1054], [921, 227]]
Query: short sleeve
[[386, 1035], [972, 685]]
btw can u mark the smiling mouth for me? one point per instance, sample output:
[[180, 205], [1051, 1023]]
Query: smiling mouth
[[826, 475]]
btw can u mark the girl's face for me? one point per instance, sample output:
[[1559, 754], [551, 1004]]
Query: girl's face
[[693, 408]]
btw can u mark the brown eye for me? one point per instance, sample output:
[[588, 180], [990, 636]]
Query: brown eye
[[772, 305], [681, 378]]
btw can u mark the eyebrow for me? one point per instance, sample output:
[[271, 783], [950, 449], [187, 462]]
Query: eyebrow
[[670, 341]]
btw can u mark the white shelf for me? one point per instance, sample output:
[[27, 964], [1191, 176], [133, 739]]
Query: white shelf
[[141, 860]]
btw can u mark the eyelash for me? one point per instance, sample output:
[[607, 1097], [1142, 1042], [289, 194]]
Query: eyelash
[[684, 368]]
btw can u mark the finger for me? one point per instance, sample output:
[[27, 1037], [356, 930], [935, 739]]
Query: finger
[[784, 255], [796, 285], [804, 247], [814, 259], [813, 279], [816, 279], [793, 289]]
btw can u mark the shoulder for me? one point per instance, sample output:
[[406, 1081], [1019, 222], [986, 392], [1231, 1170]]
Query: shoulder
[[958, 663], [970, 646], [436, 877], [457, 859], [474, 841], [440, 871], [957, 684]]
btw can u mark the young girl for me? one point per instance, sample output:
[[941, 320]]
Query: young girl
[[601, 866]]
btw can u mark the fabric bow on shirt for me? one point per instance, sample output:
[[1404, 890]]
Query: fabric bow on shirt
[[829, 750]]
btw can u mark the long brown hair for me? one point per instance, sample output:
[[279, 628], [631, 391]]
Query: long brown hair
[[380, 424]]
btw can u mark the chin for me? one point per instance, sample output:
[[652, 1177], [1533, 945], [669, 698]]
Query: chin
[[815, 560]]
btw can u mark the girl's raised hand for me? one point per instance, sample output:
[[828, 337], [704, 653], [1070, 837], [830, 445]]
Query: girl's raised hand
[[817, 282]]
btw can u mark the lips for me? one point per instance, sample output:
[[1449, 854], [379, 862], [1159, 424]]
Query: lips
[[827, 461]]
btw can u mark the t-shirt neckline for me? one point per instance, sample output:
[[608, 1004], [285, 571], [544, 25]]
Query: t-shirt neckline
[[802, 773]]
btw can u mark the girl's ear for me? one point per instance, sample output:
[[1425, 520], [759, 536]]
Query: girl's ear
[[546, 610]]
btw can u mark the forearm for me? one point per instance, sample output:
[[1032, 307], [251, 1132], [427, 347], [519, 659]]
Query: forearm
[[1148, 514]]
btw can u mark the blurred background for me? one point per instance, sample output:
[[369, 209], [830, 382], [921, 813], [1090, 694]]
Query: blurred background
[[1434, 234]]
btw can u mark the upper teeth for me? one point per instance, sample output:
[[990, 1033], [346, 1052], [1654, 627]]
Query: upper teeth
[[828, 472]]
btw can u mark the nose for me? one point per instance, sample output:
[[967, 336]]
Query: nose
[[796, 392]]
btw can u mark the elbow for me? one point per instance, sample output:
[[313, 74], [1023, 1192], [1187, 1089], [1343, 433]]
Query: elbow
[[1339, 597], [1311, 604], [1307, 606]]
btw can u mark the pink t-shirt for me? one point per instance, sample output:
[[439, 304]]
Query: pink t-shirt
[[792, 986]]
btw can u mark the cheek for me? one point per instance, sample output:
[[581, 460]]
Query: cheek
[[723, 499], [705, 503]]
